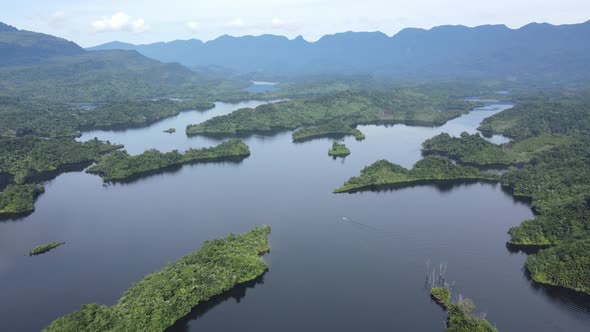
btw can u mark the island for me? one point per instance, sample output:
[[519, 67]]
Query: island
[[338, 114], [38, 250], [160, 299], [170, 130], [460, 317], [428, 170], [120, 166], [336, 128], [338, 150], [19, 200]]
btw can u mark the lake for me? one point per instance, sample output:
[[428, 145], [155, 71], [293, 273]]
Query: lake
[[325, 274], [257, 86]]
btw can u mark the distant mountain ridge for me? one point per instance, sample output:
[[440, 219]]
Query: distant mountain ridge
[[40, 66], [537, 49], [21, 47]]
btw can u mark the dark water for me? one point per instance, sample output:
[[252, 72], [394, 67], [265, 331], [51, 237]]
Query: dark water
[[325, 274]]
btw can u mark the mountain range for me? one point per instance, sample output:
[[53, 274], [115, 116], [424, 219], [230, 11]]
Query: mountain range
[[537, 50], [36, 65]]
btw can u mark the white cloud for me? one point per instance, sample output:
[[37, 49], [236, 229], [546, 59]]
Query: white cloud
[[193, 26], [120, 22]]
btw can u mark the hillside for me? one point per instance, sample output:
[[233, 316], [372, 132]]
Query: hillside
[[20, 47], [535, 51]]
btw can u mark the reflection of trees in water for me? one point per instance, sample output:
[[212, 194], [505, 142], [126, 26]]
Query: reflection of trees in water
[[172, 169], [238, 293], [574, 303]]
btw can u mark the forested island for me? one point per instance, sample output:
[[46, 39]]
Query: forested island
[[338, 113], [119, 165], [338, 150], [38, 250], [162, 298], [429, 169]]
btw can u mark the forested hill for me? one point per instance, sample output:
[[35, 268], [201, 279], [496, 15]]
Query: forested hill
[[35, 65], [533, 51], [20, 47]]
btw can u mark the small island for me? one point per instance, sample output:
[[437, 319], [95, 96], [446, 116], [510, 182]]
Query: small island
[[431, 168], [170, 130], [331, 129], [160, 299], [38, 250], [120, 166], [338, 150], [461, 318], [19, 200]]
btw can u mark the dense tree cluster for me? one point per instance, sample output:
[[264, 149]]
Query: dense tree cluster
[[460, 317], [17, 200], [44, 118], [38, 250], [337, 113], [563, 116], [29, 158], [566, 265], [431, 168], [162, 298], [338, 150], [119, 165]]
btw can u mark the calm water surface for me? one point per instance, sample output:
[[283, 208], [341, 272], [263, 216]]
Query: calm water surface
[[325, 274]]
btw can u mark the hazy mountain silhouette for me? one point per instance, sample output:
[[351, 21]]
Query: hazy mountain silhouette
[[535, 50]]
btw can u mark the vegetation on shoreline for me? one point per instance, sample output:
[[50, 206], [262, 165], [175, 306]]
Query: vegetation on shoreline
[[30, 158], [460, 317], [566, 265], [337, 113], [44, 118], [119, 165], [162, 298], [550, 140], [338, 150], [431, 168], [136, 113], [18, 200], [38, 250], [559, 116], [558, 182], [333, 128], [475, 150]]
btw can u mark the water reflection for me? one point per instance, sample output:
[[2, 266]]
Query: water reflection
[[237, 293]]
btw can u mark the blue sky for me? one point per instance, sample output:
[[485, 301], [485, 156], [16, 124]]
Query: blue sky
[[141, 21]]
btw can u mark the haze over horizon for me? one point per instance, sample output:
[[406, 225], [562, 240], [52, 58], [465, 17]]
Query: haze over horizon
[[93, 23]]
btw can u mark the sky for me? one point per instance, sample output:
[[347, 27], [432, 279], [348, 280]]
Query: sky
[[90, 23]]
